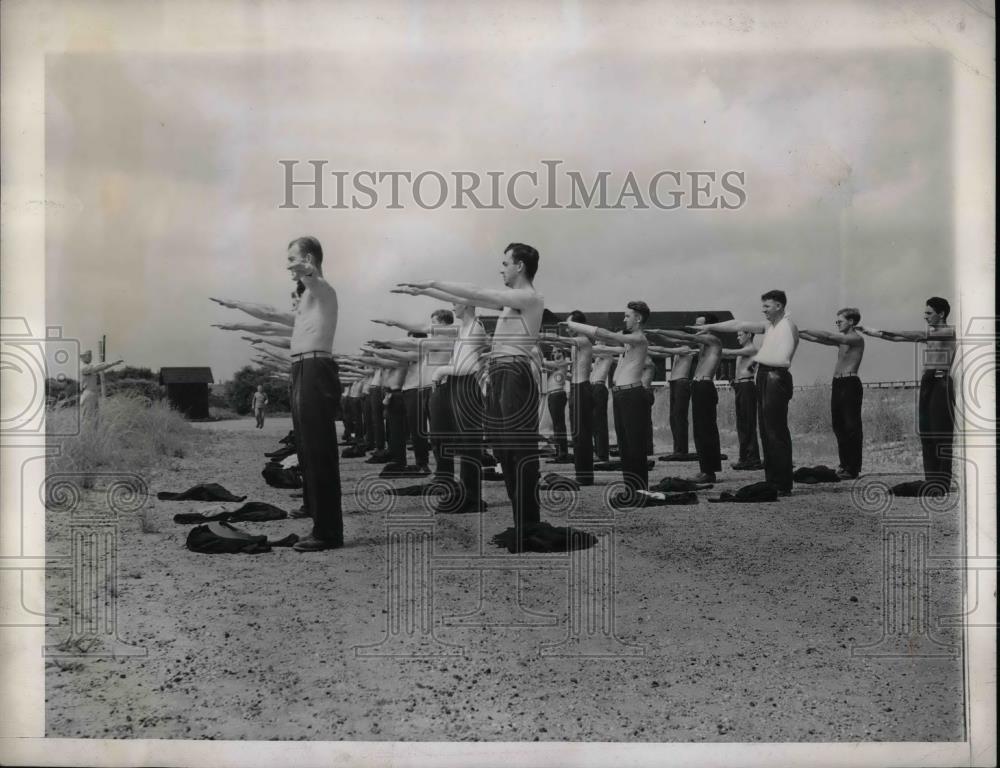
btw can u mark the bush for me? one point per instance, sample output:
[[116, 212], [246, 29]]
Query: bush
[[151, 390], [131, 434]]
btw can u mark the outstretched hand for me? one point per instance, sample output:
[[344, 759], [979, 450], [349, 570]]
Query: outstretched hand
[[223, 302], [421, 286], [407, 290], [390, 323]]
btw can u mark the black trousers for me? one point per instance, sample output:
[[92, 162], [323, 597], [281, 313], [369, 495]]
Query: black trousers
[[581, 417], [936, 424], [650, 400], [396, 413], [846, 395], [745, 393], [680, 398], [416, 424], [557, 410], [630, 411], [364, 430], [599, 397], [347, 415], [774, 391], [376, 419], [512, 430], [442, 429], [315, 396], [704, 404], [467, 419]]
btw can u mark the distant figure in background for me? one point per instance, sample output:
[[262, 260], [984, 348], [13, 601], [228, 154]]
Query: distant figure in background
[[258, 401], [936, 425], [846, 392], [90, 387]]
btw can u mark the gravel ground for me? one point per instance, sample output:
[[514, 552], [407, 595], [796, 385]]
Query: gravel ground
[[745, 616]]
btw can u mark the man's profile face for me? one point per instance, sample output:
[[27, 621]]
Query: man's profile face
[[298, 264], [932, 317], [631, 319], [843, 324], [771, 308], [509, 269], [743, 337]]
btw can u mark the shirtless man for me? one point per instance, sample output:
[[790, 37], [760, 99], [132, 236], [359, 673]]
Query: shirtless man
[[680, 403], [935, 413], [514, 369], [599, 395], [745, 402], [315, 391], [90, 387], [629, 398], [846, 392], [774, 383], [556, 370], [704, 397], [581, 403]]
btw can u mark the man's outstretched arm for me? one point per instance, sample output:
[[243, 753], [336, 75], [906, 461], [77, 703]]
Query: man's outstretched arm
[[701, 339], [829, 338], [260, 311], [945, 332], [88, 370], [261, 329], [600, 334], [732, 326], [436, 293], [467, 293]]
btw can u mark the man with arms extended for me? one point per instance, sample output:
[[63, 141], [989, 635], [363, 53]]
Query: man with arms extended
[[315, 392], [704, 397], [514, 370], [581, 404], [846, 391], [629, 398], [774, 383], [935, 414], [745, 402]]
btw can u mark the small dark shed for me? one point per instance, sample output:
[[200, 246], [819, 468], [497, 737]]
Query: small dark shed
[[187, 390]]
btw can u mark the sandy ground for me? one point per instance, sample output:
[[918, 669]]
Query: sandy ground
[[746, 616]]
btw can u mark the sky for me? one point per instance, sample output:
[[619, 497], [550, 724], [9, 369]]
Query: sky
[[165, 186]]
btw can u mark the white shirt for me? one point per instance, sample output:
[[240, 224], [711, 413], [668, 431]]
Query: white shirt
[[778, 346]]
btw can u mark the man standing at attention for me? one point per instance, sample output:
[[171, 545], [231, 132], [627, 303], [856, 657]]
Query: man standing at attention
[[745, 402], [936, 424], [774, 383], [846, 392], [315, 392]]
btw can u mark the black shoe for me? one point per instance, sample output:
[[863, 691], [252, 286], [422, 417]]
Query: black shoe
[[704, 477], [785, 493], [843, 474], [312, 544], [300, 513]]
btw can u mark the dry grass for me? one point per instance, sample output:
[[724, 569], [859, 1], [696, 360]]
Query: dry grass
[[131, 434]]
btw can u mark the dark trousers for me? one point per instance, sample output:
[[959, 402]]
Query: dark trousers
[[376, 419], [442, 429], [396, 413], [467, 419], [680, 398], [364, 429], [416, 424], [315, 397], [650, 400], [745, 393], [630, 412], [936, 424], [846, 394], [557, 410], [347, 415], [704, 404], [774, 391], [581, 416], [599, 397], [512, 430]]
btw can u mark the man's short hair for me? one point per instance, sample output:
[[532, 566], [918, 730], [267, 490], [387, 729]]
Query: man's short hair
[[641, 307], [310, 246], [775, 295], [577, 316], [710, 317], [526, 255], [443, 316], [939, 305], [851, 313]]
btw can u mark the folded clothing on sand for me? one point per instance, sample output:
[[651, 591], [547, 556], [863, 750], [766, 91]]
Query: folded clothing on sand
[[754, 493], [222, 538], [678, 484], [251, 512], [200, 492], [818, 474], [277, 476], [543, 537], [655, 499]]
